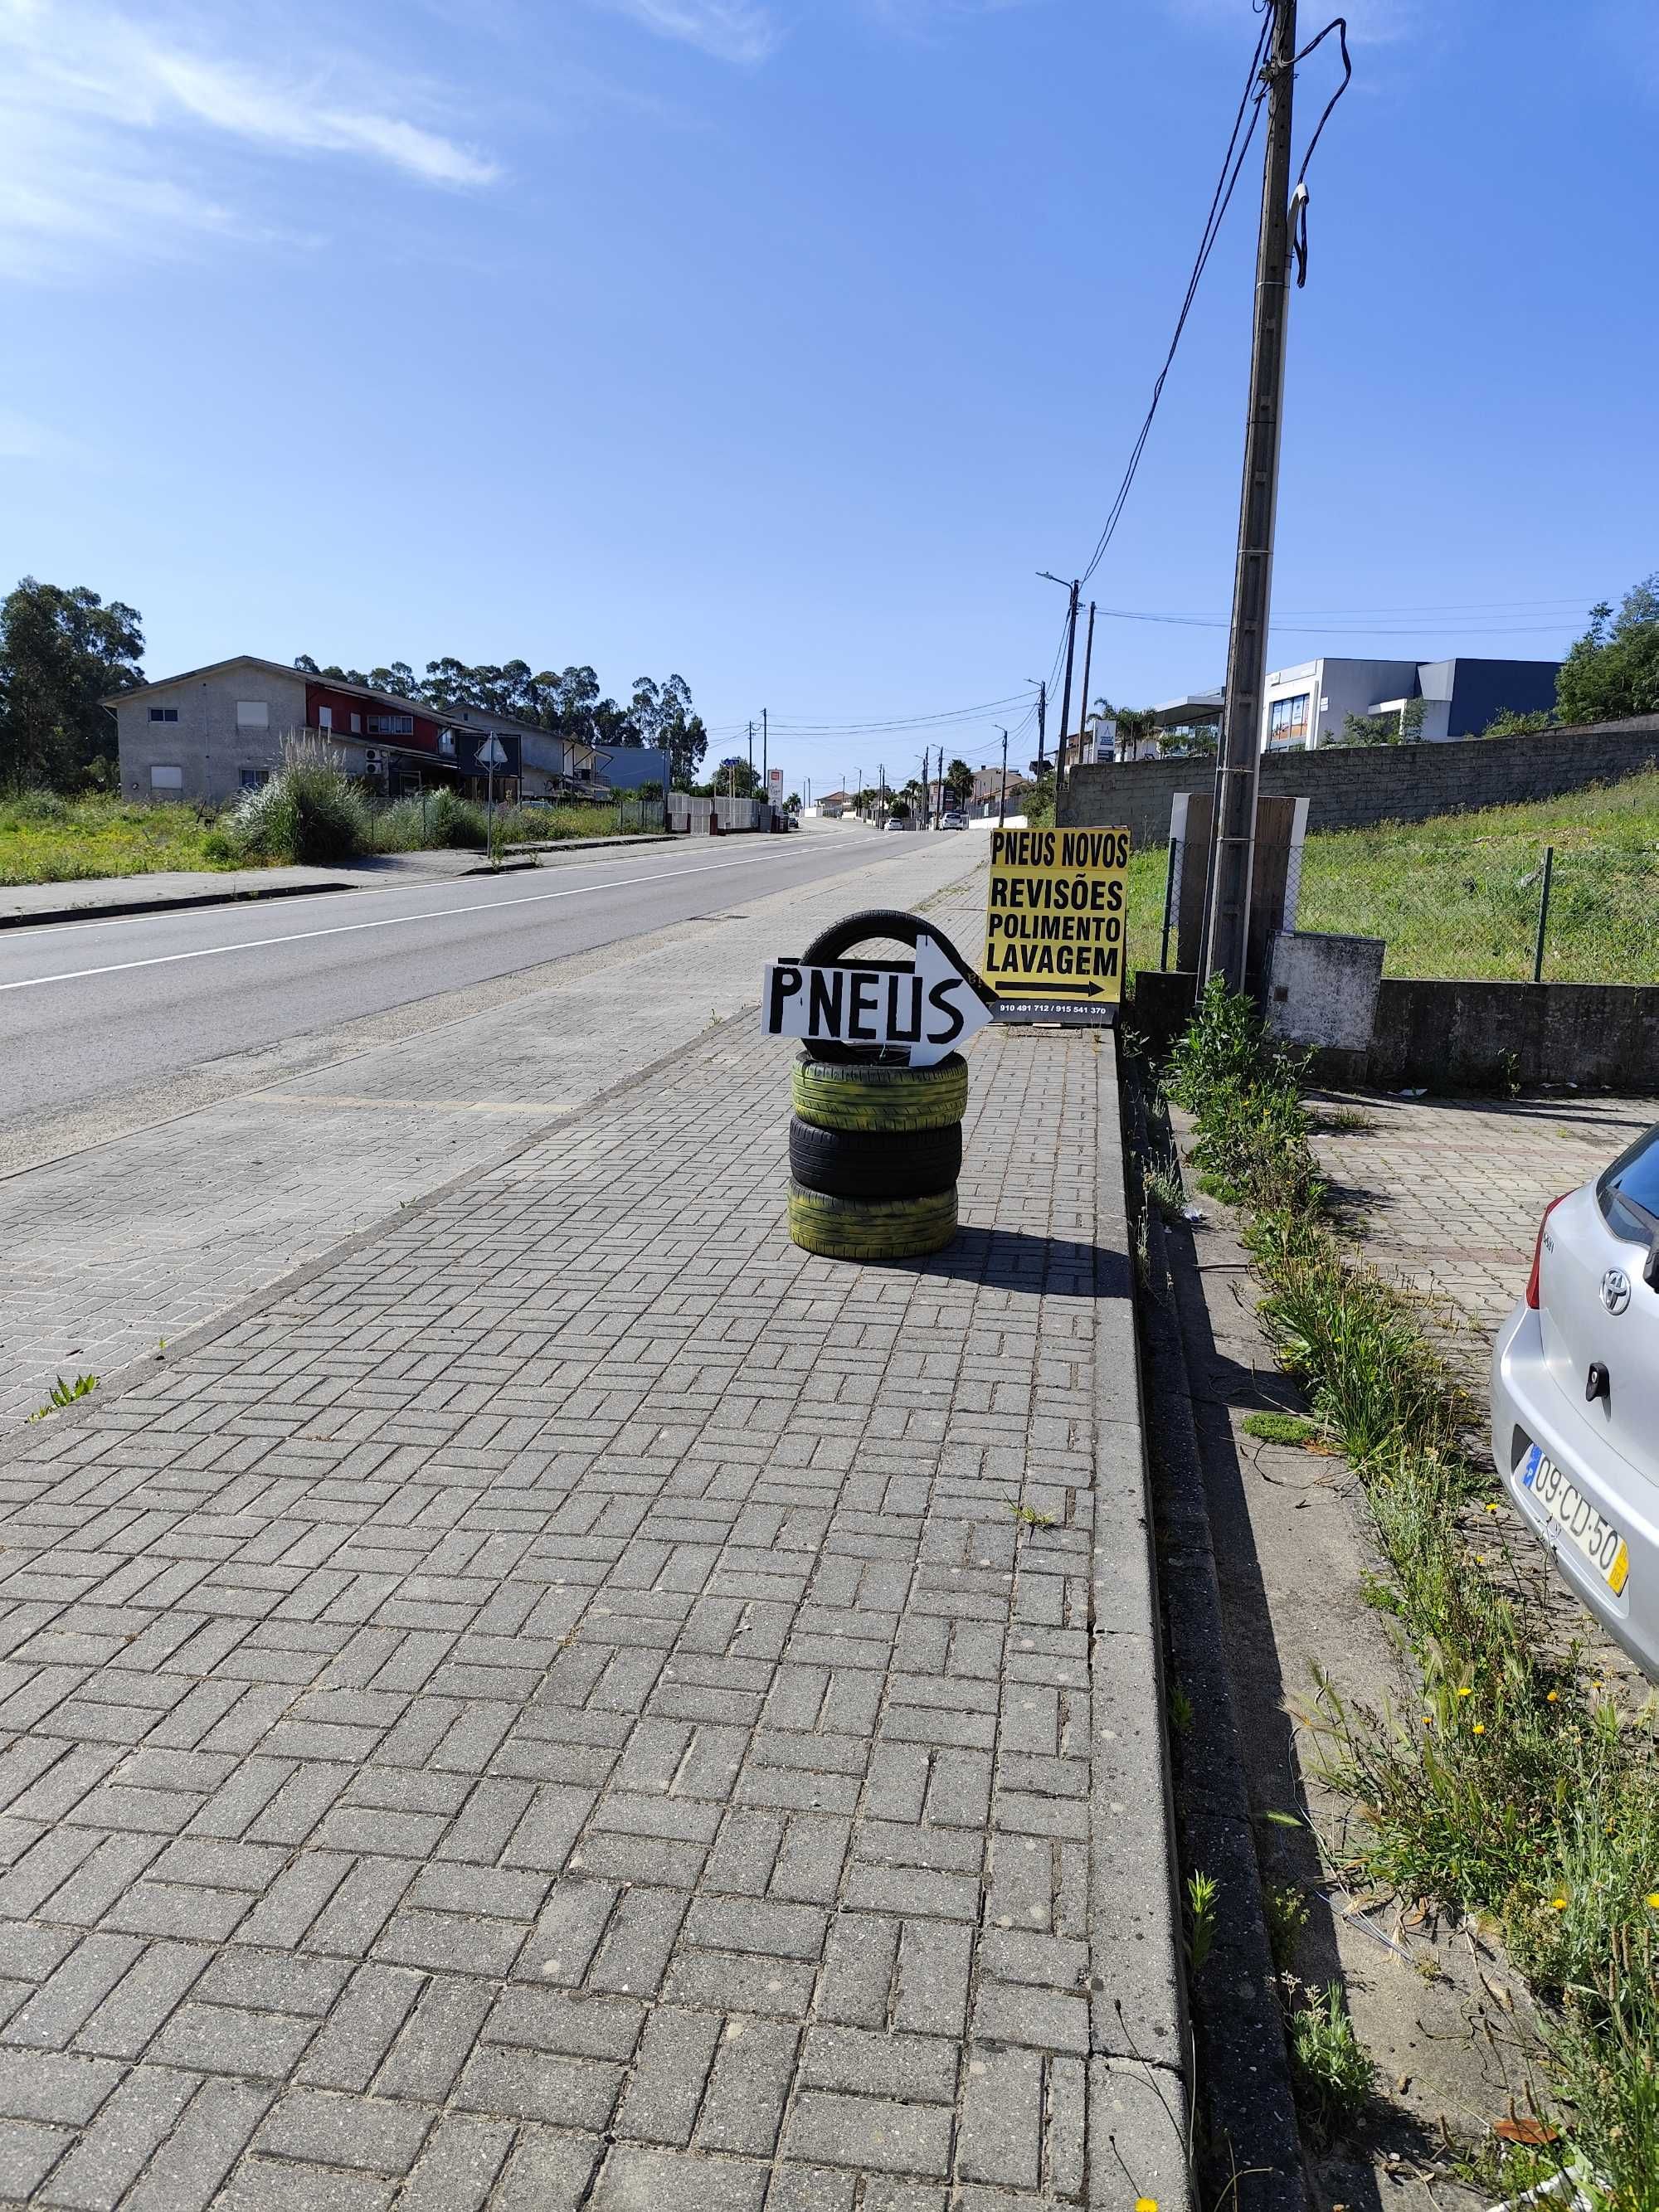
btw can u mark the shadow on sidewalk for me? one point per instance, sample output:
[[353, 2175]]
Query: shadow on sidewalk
[[1013, 1260]]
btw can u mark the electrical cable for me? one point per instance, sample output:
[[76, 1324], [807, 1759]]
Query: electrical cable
[[1299, 197], [1219, 201]]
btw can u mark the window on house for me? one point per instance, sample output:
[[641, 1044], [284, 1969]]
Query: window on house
[[254, 777], [164, 713], [447, 742], [252, 715], [391, 726], [1287, 720], [356, 725], [325, 718], [167, 779]]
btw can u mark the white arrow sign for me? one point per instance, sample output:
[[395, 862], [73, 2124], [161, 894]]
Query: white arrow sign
[[931, 1008]]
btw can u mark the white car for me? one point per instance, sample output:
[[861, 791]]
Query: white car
[[953, 820], [1575, 1396]]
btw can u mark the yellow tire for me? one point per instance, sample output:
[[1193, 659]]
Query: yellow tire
[[861, 1095], [870, 1229]]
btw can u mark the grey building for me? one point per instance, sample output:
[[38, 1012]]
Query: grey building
[[210, 733], [1306, 705]]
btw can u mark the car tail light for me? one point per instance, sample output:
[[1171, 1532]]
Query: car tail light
[[1537, 1250]]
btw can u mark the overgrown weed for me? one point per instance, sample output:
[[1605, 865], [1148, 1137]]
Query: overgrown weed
[[1507, 1791]]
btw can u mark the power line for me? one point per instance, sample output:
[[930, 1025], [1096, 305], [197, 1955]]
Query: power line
[[1231, 163]]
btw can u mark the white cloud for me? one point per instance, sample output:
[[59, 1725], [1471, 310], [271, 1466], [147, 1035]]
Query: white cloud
[[116, 135], [22, 439], [732, 30]]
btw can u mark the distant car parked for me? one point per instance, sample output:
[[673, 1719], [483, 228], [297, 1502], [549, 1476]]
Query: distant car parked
[[953, 820], [895, 822], [1575, 1396]]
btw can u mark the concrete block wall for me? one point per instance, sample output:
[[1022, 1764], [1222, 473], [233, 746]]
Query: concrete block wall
[[1355, 788], [205, 742]]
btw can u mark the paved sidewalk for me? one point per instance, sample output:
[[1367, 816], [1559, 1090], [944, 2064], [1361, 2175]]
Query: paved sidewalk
[[118, 1244], [1449, 1193], [1451, 1190], [557, 1709]]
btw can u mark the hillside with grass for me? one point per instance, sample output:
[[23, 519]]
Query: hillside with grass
[[1458, 897]]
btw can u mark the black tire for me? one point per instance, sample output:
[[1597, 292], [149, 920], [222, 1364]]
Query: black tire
[[870, 1229], [852, 1163], [830, 944], [858, 1095]]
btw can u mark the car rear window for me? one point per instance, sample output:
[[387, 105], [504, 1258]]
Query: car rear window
[[1632, 1181]]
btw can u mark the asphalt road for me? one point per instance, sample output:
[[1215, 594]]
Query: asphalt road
[[90, 1009]]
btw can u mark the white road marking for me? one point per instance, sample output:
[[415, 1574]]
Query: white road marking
[[239, 904], [349, 928]]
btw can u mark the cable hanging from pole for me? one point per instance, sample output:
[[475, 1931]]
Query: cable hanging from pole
[[1299, 197]]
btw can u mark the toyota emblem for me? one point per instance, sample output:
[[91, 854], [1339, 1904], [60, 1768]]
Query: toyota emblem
[[1615, 1290]]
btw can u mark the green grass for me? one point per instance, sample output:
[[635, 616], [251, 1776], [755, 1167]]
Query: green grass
[[1506, 1789], [1458, 897], [1330, 2073], [47, 839]]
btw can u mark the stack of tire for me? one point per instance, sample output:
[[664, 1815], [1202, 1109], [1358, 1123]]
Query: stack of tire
[[875, 1146]]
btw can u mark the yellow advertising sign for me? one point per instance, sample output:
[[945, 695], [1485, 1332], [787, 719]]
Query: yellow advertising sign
[[1054, 923]]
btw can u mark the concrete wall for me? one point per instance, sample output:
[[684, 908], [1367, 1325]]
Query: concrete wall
[[1461, 1037], [205, 744], [1467, 1036], [1354, 789]]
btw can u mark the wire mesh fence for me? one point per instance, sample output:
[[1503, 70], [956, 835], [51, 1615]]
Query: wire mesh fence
[[1499, 908], [1510, 909]]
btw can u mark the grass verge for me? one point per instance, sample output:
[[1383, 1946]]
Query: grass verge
[[1458, 896], [48, 839], [1508, 1790]]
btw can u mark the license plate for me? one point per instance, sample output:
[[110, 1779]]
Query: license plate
[[1572, 1516]]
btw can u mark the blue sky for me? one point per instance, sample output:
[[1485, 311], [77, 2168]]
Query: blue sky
[[779, 342]]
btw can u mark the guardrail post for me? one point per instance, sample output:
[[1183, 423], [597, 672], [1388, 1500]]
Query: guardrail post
[[1543, 915]]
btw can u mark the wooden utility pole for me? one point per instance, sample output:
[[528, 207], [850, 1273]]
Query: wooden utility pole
[[1232, 849], [1043, 720], [1002, 804]]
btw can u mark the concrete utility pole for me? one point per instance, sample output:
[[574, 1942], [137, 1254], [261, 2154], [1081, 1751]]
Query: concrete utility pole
[[752, 760], [1066, 696], [1043, 719], [1088, 662], [1232, 847], [1002, 802], [765, 756]]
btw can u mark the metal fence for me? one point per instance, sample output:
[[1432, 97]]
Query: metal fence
[[1500, 908], [1489, 909]]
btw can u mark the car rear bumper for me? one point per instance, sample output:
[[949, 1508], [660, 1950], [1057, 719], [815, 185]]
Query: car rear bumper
[[1527, 1408]]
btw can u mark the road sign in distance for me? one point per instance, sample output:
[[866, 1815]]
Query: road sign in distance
[[1054, 914], [926, 1010], [492, 753]]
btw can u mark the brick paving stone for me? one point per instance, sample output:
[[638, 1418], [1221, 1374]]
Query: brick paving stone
[[1447, 1194], [613, 1743]]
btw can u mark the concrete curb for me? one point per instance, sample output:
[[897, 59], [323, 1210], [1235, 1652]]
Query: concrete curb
[[1140, 2092], [117, 910], [1246, 2110]]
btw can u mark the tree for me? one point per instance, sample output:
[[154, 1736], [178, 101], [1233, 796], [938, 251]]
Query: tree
[[1510, 724], [959, 781], [735, 779], [1402, 728], [792, 805], [1613, 671], [1134, 726], [60, 653]]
